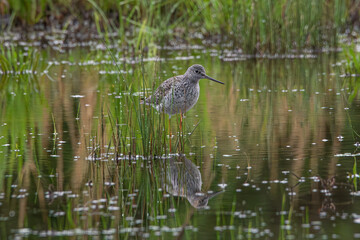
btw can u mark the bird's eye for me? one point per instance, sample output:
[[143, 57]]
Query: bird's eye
[[196, 71]]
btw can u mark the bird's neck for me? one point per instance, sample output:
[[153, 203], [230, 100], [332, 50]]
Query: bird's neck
[[193, 80]]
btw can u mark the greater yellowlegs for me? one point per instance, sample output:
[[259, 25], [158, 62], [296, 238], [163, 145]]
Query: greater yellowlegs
[[180, 93]]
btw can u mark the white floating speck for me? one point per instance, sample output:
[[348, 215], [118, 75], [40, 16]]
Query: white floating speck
[[347, 155], [77, 96], [113, 208], [172, 210]]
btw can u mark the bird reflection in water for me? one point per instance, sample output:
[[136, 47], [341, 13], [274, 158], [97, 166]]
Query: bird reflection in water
[[327, 186], [183, 179]]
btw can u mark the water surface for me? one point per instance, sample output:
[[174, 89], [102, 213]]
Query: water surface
[[280, 139]]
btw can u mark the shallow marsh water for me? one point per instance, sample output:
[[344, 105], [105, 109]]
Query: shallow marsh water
[[280, 138]]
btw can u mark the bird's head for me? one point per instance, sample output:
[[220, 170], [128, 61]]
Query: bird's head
[[200, 200], [197, 72]]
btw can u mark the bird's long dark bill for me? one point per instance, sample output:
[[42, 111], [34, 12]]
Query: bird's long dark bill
[[210, 78]]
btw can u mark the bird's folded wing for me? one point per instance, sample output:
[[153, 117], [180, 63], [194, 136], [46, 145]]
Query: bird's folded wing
[[162, 90]]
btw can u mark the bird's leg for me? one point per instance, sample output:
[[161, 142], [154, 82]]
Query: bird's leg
[[181, 120], [180, 131], [169, 134]]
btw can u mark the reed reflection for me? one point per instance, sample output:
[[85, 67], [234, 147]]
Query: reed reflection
[[323, 196]]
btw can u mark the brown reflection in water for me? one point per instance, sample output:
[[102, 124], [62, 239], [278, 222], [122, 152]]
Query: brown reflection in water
[[60, 117], [30, 170], [79, 82], [88, 88], [59, 121]]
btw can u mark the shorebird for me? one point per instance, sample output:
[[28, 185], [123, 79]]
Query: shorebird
[[180, 93], [183, 179]]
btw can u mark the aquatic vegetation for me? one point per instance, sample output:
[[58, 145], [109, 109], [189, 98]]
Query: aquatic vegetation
[[254, 26], [352, 60], [15, 60], [352, 70]]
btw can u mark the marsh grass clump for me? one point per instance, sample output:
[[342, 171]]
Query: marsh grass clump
[[18, 61], [352, 71], [128, 128], [254, 26], [352, 60]]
